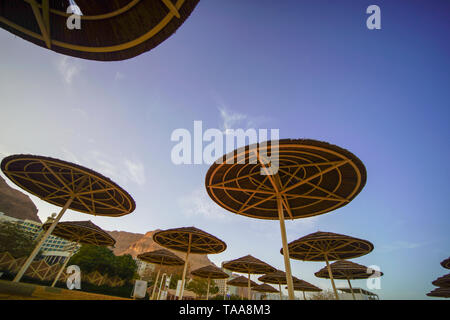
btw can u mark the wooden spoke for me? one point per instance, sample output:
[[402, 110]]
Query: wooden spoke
[[172, 8]]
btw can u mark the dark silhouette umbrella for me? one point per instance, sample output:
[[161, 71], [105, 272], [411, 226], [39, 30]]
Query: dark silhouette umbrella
[[347, 270], [446, 263], [108, 30], [66, 185], [189, 240], [265, 288], [443, 281], [304, 286], [278, 277], [440, 292], [242, 282], [210, 272], [327, 246], [248, 265], [161, 257], [301, 178]]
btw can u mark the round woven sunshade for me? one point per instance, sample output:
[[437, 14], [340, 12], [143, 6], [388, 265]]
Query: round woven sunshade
[[440, 292], [161, 256], [55, 181], [211, 272], [178, 239], [443, 281], [446, 263], [302, 285], [84, 232], [110, 30], [320, 246], [248, 264], [265, 288], [277, 277], [241, 282], [313, 178], [347, 270]]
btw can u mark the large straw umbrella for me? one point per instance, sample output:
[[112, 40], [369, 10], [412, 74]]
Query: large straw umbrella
[[189, 240], [300, 178], [446, 263], [440, 292], [160, 257], [304, 286], [265, 288], [109, 30], [328, 246], [278, 277], [242, 282], [66, 185], [443, 281], [79, 232], [209, 272], [347, 270], [248, 265]]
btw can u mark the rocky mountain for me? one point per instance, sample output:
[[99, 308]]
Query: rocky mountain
[[135, 243], [16, 204]]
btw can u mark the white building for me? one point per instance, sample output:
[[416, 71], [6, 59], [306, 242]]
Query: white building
[[360, 294], [54, 249]]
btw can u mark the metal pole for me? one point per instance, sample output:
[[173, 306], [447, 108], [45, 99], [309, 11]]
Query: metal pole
[[185, 267], [33, 254], [351, 288], [287, 263], [65, 263], [331, 277]]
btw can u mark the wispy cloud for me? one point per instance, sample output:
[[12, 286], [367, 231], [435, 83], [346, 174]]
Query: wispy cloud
[[231, 120], [401, 245], [135, 171], [68, 69], [197, 203], [119, 76]]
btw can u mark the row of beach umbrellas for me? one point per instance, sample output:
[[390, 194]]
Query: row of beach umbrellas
[[301, 178], [443, 283]]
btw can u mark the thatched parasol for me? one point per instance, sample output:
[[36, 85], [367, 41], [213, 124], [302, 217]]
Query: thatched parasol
[[66, 185], [278, 277], [80, 232], [161, 257], [249, 265], [440, 292], [189, 240], [242, 282], [210, 272], [347, 270], [265, 288], [304, 286], [327, 246], [446, 263], [304, 178], [109, 30], [443, 281]]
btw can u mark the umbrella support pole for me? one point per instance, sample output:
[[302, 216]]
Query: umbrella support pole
[[351, 288], [331, 277], [33, 254], [185, 267], [207, 291], [155, 284], [304, 297], [287, 263], [279, 287], [249, 294], [65, 264]]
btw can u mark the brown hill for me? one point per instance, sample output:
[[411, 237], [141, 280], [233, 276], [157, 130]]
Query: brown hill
[[135, 243], [16, 204]]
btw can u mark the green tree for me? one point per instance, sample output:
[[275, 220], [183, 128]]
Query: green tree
[[14, 240], [94, 258], [199, 286], [323, 295]]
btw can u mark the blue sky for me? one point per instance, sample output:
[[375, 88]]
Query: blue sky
[[309, 68]]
